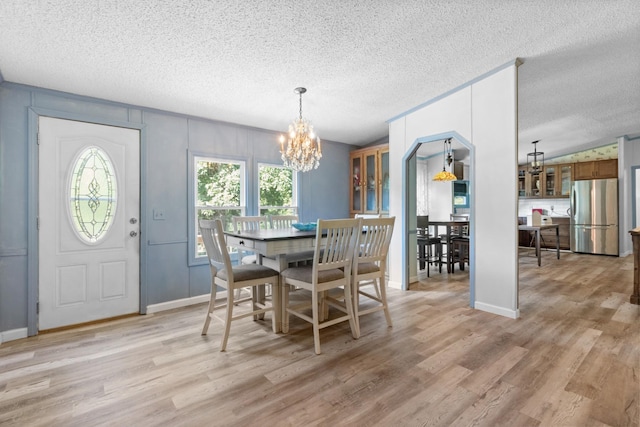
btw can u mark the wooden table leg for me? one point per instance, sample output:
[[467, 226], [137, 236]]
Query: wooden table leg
[[538, 251], [283, 302], [422, 253], [449, 251]]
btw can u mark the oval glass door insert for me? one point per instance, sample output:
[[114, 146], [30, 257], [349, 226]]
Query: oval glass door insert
[[92, 194]]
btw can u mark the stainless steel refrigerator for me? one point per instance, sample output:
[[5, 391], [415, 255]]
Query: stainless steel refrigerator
[[594, 216]]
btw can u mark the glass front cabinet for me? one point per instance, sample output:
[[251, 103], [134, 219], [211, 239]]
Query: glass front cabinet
[[370, 180], [553, 181]]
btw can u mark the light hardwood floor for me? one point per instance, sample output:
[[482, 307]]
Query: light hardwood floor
[[572, 359]]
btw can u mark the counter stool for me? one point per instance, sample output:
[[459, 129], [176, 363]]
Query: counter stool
[[429, 252], [459, 252], [429, 247]]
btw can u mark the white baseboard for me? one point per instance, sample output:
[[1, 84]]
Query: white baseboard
[[169, 305], [394, 284], [512, 314], [14, 334]]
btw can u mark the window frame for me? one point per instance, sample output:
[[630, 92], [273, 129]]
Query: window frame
[[193, 210], [294, 189]]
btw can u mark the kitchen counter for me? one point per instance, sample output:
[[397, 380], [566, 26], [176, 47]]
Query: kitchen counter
[[548, 237]]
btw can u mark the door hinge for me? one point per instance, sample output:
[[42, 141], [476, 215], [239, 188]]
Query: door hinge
[[38, 307], [38, 223], [38, 138]]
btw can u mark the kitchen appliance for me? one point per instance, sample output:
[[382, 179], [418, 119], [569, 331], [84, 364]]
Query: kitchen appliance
[[594, 216]]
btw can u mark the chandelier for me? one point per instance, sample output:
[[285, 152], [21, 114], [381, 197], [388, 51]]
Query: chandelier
[[535, 160], [302, 152], [447, 157]]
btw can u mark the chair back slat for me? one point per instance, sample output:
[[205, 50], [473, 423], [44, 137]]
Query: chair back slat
[[336, 240], [282, 221], [375, 239], [212, 233], [247, 223]]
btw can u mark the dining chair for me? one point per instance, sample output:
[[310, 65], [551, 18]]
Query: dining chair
[[336, 240], [429, 246], [370, 267], [246, 223], [233, 278], [460, 252], [461, 230], [455, 230], [282, 221]]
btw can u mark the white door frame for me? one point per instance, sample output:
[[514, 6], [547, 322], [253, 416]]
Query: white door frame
[[33, 194]]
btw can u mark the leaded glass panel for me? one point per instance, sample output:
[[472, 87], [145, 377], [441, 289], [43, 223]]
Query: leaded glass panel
[[93, 194]]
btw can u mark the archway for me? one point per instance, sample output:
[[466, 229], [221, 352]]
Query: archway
[[409, 170]]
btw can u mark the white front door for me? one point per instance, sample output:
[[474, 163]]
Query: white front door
[[88, 213]]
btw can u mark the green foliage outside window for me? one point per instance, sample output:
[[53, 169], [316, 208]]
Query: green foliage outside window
[[218, 191], [276, 190]]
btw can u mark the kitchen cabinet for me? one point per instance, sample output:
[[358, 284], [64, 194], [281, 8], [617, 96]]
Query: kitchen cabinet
[[553, 181], [598, 169], [548, 237], [369, 193], [528, 184], [557, 180]]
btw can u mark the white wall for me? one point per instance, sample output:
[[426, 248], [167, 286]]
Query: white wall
[[485, 114], [432, 198], [423, 173], [628, 156]]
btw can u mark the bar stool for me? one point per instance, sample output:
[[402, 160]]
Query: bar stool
[[429, 247], [459, 252]]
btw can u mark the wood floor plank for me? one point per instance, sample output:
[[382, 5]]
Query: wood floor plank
[[571, 359]]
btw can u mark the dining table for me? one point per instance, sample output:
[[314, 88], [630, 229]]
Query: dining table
[[448, 226], [274, 248], [537, 229]]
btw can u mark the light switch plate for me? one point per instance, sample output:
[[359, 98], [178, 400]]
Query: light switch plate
[[158, 214]]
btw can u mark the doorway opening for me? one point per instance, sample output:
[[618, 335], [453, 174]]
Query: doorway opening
[[419, 165]]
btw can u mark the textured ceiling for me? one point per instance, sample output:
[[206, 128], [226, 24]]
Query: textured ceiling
[[363, 62]]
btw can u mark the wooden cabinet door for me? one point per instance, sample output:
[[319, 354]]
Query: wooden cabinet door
[[550, 181], [369, 193], [583, 170], [565, 178], [356, 184], [596, 170], [384, 181], [534, 185], [522, 181], [371, 182], [607, 169]]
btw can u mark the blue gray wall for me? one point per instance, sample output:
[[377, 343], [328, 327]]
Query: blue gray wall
[[167, 140]]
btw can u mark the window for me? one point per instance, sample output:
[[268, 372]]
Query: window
[[278, 190], [219, 187]]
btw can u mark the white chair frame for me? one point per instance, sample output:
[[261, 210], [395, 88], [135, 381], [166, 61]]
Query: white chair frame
[[370, 266], [336, 241], [233, 278]]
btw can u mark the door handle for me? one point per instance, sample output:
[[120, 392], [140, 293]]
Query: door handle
[[133, 234]]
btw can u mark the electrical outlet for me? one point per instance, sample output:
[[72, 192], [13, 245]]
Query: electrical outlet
[[158, 214]]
